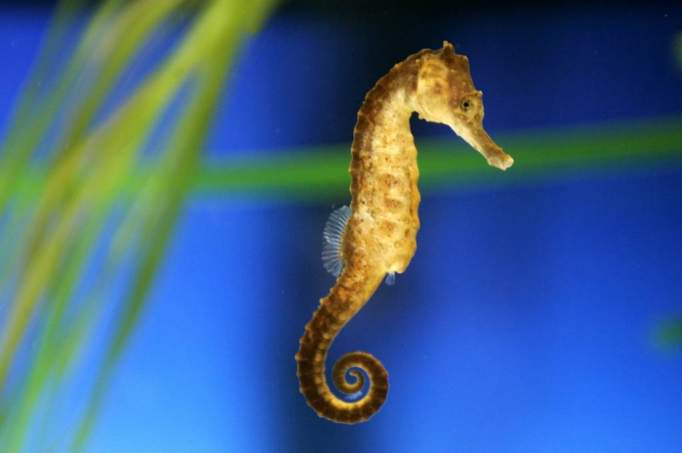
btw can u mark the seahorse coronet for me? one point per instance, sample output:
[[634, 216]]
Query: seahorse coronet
[[380, 236]]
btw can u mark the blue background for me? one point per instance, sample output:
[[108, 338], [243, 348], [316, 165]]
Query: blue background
[[525, 322]]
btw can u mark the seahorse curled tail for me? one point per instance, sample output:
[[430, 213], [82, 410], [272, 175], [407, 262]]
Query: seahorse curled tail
[[344, 300]]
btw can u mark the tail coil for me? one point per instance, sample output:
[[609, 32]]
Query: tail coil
[[311, 357]]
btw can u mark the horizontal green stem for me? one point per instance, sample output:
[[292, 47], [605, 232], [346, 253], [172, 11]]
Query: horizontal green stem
[[321, 172]]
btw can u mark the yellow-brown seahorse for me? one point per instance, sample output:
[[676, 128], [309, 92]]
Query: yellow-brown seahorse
[[376, 237]]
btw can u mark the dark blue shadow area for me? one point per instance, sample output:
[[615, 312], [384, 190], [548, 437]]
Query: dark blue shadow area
[[526, 321]]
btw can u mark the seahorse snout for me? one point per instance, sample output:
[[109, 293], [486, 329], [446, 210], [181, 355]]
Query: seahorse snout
[[478, 138], [498, 158]]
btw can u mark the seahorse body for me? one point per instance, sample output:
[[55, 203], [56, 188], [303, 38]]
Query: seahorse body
[[380, 237]]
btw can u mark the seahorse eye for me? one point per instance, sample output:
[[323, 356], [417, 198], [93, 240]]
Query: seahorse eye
[[465, 104]]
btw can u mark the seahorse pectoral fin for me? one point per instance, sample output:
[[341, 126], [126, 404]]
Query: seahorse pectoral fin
[[478, 138], [332, 237]]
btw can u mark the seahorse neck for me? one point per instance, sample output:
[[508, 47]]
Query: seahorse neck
[[383, 120], [382, 137]]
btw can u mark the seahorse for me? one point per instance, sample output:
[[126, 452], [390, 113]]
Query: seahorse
[[377, 236]]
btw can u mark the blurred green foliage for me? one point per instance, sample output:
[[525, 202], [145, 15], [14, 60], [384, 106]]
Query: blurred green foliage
[[74, 235]]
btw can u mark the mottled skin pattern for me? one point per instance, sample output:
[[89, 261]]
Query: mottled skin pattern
[[381, 234]]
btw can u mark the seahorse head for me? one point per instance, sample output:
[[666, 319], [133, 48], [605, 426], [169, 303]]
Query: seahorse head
[[446, 94]]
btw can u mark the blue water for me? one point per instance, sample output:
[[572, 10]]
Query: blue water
[[525, 323], [526, 320]]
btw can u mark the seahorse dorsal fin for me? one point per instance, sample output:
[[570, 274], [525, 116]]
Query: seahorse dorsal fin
[[332, 256]]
